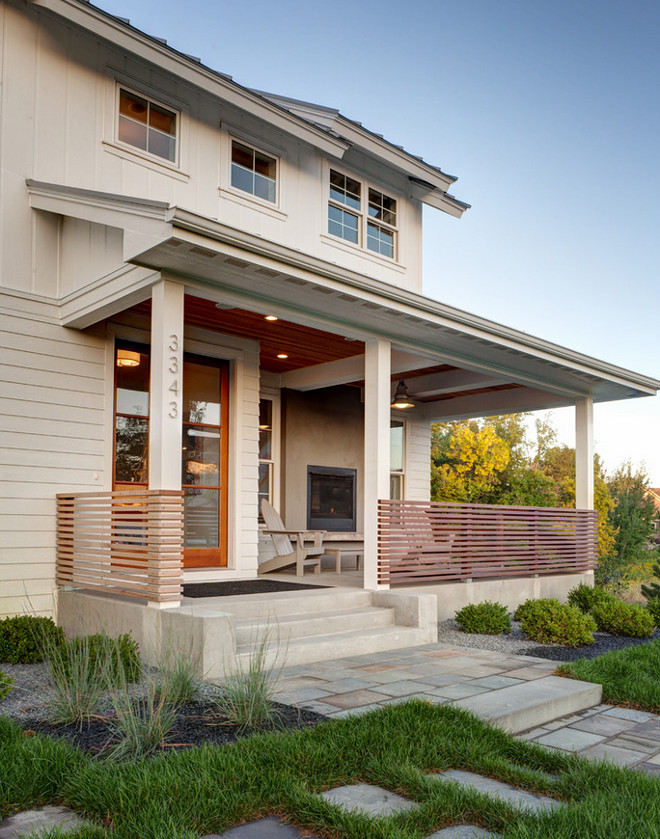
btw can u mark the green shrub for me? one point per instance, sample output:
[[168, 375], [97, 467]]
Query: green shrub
[[586, 597], [484, 618], [22, 638], [620, 618], [117, 659], [551, 622], [6, 685], [653, 607]]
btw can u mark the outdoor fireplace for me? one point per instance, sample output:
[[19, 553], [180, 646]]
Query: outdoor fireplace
[[331, 498]]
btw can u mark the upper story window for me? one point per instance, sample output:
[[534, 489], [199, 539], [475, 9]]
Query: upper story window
[[253, 171], [373, 227], [146, 125]]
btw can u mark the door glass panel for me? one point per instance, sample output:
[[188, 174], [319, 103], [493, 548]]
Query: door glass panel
[[200, 518], [132, 382], [131, 448], [201, 456], [201, 393]]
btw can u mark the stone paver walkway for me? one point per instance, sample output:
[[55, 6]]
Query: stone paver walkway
[[620, 735], [434, 672]]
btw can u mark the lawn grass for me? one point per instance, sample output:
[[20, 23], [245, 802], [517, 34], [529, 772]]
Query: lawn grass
[[629, 677], [183, 795]]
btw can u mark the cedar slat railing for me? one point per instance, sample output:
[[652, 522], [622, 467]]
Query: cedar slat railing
[[128, 543], [440, 541]]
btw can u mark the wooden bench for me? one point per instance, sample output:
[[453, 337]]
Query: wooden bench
[[340, 544]]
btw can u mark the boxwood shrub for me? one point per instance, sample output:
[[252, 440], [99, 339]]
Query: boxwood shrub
[[23, 638], [550, 622], [484, 618], [586, 597], [620, 618]]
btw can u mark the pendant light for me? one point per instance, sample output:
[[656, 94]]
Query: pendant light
[[402, 399]]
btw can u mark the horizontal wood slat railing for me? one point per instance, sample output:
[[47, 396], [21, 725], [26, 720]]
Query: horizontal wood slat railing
[[422, 541], [127, 542]]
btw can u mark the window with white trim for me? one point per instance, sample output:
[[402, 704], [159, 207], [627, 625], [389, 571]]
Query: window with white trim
[[397, 458], [253, 171], [266, 452], [146, 125], [362, 215]]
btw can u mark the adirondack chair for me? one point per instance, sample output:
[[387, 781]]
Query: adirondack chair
[[306, 552]]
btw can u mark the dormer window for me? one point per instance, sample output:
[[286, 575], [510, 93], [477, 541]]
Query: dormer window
[[146, 125], [375, 229], [253, 171]]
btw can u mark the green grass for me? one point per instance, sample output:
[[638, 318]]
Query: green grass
[[187, 794], [629, 677]]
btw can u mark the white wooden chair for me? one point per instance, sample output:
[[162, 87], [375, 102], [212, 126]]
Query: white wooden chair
[[306, 552]]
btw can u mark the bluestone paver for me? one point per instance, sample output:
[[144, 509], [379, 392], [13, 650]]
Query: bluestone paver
[[269, 828], [498, 789], [367, 798], [570, 739], [43, 818], [614, 754], [463, 831], [607, 726]]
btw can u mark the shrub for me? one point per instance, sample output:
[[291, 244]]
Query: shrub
[[551, 622], [118, 659], [653, 607], [620, 618], [6, 685], [652, 590], [22, 638], [586, 597], [484, 618]]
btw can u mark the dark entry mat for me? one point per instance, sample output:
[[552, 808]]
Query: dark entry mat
[[231, 587]]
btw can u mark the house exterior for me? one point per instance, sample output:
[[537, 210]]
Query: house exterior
[[213, 289]]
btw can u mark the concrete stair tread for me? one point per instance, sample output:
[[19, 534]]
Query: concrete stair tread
[[533, 703], [289, 603], [305, 616]]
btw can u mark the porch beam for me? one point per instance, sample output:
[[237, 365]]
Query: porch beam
[[488, 404], [584, 454], [377, 390], [165, 403], [345, 371]]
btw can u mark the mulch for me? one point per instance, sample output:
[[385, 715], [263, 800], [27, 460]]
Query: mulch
[[197, 724]]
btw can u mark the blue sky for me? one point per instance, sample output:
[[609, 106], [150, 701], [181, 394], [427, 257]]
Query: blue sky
[[547, 113]]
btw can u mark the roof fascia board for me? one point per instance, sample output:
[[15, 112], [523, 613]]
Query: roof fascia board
[[438, 200], [107, 296], [440, 313], [168, 59], [491, 404], [389, 153]]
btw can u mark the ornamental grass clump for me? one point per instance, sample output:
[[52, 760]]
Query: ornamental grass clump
[[550, 622], [586, 597], [6, 685], [484, 618], [628, 619]]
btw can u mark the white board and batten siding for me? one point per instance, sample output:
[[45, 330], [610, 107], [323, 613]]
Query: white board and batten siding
[[52, 408]]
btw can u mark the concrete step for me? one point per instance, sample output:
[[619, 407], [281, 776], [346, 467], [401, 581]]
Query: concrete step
[[533, 703], [277, 604], [250, 630], [337, 645]]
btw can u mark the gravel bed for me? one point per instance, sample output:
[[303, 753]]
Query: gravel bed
[[518, 644]]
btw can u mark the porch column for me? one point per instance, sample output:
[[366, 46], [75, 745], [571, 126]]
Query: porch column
[[166, 381], [377, 397], [584, 454]]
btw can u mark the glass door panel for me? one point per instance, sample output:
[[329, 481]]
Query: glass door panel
[[204, 462]]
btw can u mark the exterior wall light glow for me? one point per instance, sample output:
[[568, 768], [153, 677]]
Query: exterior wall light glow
[[128, 358], [402, 398]]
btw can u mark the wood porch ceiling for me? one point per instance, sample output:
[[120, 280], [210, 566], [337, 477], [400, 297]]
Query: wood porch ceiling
[[303, 345]]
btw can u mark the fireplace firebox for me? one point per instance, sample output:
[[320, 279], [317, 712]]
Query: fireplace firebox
[[331, 498]]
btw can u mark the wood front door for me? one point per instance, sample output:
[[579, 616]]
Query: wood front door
[[205, 450]]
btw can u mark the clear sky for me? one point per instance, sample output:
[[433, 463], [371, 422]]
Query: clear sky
[[546, 111]]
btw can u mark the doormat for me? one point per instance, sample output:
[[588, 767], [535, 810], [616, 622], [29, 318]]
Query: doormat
[[231, 587]]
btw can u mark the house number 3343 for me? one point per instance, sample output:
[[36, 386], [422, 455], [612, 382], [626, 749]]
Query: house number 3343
[[174, 369]]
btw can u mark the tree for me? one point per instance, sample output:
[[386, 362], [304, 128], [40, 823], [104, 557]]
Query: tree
[[634, 513], [466, 459]]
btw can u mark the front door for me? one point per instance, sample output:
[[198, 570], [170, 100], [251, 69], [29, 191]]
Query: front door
[[204, 461]]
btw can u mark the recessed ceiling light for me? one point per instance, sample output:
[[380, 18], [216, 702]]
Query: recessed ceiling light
[[272, 317], [282, 355]]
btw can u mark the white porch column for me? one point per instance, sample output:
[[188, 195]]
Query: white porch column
[[377, 397], [166, 382], [584, 454]]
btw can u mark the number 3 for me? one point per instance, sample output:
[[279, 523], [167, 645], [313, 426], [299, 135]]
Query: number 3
[[174, 411], [174, 343]]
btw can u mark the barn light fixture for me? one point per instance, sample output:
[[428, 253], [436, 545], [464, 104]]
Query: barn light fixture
[[402, 398]]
